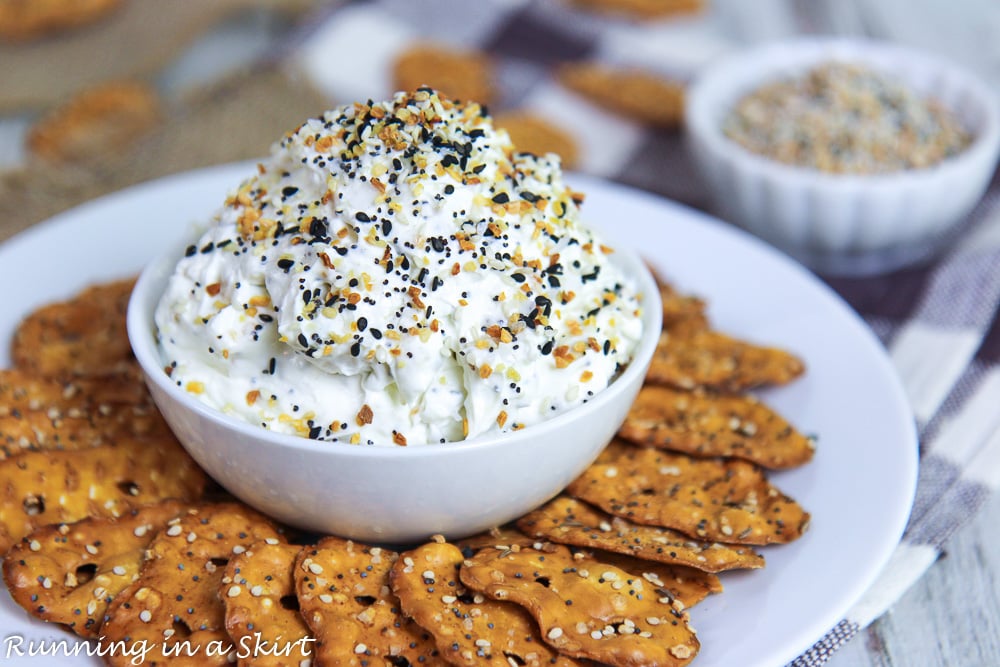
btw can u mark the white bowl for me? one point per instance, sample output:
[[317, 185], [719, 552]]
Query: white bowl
[[390, 494], [833, 222]]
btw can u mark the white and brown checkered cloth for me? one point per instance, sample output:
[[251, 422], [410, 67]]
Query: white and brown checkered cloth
[[938, 321]]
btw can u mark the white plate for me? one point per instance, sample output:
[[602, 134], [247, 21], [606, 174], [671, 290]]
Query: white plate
[[859, 487]]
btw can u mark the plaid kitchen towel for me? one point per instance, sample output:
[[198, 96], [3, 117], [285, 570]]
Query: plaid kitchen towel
[[938, 322]]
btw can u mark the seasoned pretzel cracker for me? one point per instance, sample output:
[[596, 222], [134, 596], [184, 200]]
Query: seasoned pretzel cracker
[[174, 606], [345, 599], [65, 486], [711, 499], [706, 425], [69, 573], [567, 520], [711, 360], [469, 628], [262, 610], [586, 609]]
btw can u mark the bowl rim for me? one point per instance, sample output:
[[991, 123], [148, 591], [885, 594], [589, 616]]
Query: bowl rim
[[717, 88], [141, 334]]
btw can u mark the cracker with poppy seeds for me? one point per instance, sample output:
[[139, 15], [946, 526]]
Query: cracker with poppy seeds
[[586, 609], [461, 74], [714, 361], [703, 424], [64, 486], [637, 94], [468, 628], [531, 133], [643, 9], [567, 520], [683, 314], [84, 335], [345, 599], [50, 430], [258, 592], [724, 500], [21, 391], [502, 537], [25, 21], [98, 122], [69, 573], [174, 606], [683, 584]]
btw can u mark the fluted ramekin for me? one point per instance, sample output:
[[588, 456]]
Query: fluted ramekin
[[843, 223]]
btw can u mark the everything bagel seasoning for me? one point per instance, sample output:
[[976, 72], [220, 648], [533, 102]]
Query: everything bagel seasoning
[[845, 118], [397, 274]]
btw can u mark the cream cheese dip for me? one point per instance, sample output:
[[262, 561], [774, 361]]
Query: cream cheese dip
[[397, 274]]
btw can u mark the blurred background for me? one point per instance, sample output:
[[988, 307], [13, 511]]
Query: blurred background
[[97, 95]]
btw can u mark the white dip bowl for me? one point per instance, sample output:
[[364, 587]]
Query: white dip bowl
[[389, 493]]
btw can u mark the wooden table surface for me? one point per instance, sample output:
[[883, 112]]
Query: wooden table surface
[[951, 617]]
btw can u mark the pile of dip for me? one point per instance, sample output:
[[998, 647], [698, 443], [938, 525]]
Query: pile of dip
[[397, 274], [845, 118]]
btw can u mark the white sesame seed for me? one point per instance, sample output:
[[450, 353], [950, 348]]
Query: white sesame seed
[[428, 574], [257, 591], [611, 472], [35, 545], [145, 616], [191, 537], [174, 531], [315, 568], [360, 648], [140, 531], [555, 633], [609, 576], [326, 598], [119, 570], [448, 599], [596, 634], [483, 643], [46, 583], [272, 541], [233, 591], [653, 620], [91, 549], [239, 548]]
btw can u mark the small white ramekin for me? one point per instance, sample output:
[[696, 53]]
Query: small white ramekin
[[836, 223]]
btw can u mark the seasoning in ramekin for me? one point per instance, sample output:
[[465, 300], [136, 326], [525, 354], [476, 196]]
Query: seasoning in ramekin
[[845, 118]]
